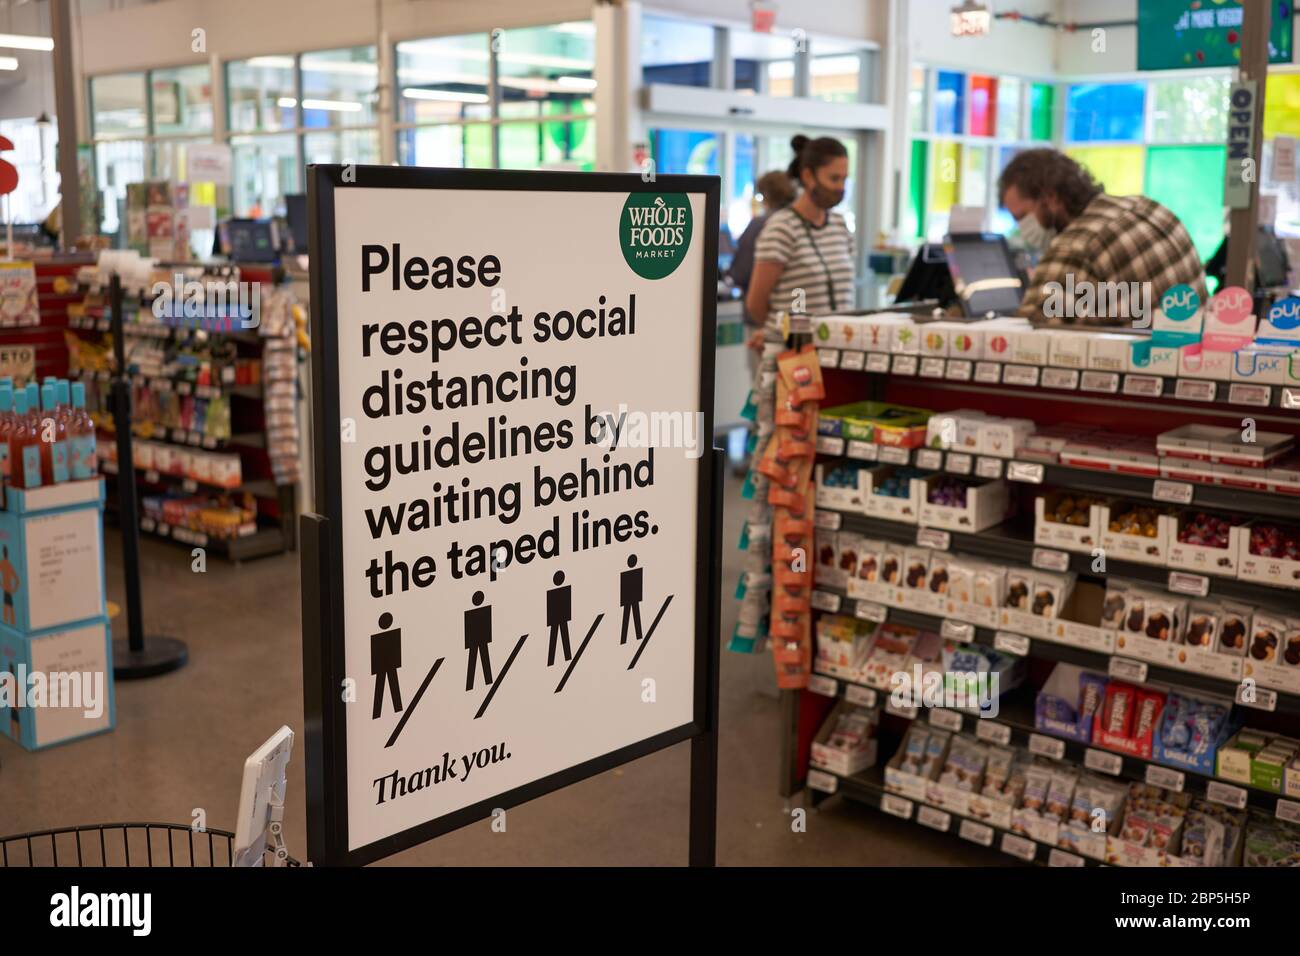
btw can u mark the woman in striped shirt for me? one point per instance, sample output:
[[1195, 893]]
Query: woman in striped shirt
[[804, 259]]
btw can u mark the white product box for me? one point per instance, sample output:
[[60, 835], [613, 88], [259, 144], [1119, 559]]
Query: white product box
[[1238, 476], [986, 505], [997, 344], [166, 459], [935, 337], [1198, 362], [226, 471], [1109, 352], [1135, 547], [841, 331], [1001, 437], [905, 338], [1194, 441], [968, 433], [1279, 572], [1068, 349], [941, 429], [1202, 559], [887, 506], [143, 457], [1280, 325], [1031, 347], [878, 330], [1188, 469], [1260, 365], [967, 342], [836, 497], [1057, 534], [842, 762]]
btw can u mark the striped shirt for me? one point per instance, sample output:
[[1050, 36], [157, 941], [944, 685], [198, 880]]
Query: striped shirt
[[1116, 239], [817, 260]]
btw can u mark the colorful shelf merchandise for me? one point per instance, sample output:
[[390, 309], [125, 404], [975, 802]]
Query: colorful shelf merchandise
[[55, 640], [1129, 579], [214, 382]]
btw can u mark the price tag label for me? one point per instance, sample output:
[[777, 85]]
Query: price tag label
[[826, 686], [871, 612], [1260, 698], [1174, 492], [990, 373], [164, 528], [932, 368], [829, 520], [1226, 794], [960, 370], [830, 445], [1049, 559], [1144, 386], [828, 358], [988, 467], [1124, 669], [826, 601], [1063, 378], [183, 388], [1061, 858], [906, 711], [904, 365], [928, 816], [862, 696], [1260, 396], [1106, 383], [929, 458], [1288, 810], [853, 360], [935, 538], [1051, 747], [147, 524], [976, 832], [1016, 644], [1020, 375], [1290, 398], [189, 486], [152, 476], [959, 463], [863, 450], [1165, 777], [823, 781], [1196, 390], [1018, 846], [993, 732], [894, 456], [1030, 472], [957, 630], [1182, 582], [896, 806], [877, 362], [1103, 762], [946, 720]]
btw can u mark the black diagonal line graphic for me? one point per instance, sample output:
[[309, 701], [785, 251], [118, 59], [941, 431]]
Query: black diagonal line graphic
[[500, 677], [650, 633], [581, 647], [410, 708]]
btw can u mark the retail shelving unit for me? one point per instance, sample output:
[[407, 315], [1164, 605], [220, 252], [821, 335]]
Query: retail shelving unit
[[273, 530], [1057, 395]]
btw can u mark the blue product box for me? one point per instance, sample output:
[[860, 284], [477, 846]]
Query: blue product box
[[56, 685], [1187, 725], [1061, 707], [52, 555]]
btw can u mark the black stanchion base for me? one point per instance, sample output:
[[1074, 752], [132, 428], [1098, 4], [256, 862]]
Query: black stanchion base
[[161, 655]]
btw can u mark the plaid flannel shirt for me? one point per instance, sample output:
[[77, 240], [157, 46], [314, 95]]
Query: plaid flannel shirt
[[1117, 239]]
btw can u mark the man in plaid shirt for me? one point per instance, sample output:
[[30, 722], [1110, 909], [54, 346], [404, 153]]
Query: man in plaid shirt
[[1097, 250]]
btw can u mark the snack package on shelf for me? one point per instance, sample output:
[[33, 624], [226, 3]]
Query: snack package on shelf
[[1068, 702], [843, 646], [1190, 732], [846, 743]]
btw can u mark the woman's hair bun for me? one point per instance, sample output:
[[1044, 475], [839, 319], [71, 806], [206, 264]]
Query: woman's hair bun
[[797, 142]]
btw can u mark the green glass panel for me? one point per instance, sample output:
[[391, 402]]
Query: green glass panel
[[1042, 101], [916, 208], [1189, 180]]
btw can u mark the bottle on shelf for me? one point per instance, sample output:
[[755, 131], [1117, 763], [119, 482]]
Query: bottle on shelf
[[81, 436], [54, 436], [24, 445], [6, 423]]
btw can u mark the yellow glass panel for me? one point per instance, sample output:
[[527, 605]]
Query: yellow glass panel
[[1282, 105], [1119, 169], [946, 172]]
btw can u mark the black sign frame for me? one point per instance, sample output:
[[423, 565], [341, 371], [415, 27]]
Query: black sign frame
[[324, 669]]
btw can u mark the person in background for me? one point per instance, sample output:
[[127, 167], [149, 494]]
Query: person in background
[[775, 190], [1064, 214], [803, 261]]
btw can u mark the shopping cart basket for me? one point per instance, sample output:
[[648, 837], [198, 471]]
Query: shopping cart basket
[[123, 844]]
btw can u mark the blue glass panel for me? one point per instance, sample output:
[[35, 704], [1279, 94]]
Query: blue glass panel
[[1105, 112], [949, 102]]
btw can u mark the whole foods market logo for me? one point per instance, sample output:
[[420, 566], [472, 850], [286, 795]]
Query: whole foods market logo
[[655, 232]]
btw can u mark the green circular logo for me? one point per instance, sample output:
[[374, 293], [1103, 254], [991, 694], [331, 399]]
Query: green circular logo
[[655, 232]]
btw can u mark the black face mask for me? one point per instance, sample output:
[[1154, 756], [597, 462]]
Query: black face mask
[[825, 198]]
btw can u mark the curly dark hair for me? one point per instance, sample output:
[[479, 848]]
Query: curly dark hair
[[1036, 172]]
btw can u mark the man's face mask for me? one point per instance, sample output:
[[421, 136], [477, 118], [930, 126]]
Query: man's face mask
[[1035, 235], [824, 197]]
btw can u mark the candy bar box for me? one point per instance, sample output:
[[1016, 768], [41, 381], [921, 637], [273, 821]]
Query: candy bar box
[[840, 485], [1206, 543], [893, 492], [1136, 532], [1064, 519], [846, 743], [962, 504], [1270, 552]]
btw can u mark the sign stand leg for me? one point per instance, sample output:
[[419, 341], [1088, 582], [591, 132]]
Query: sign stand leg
[[133, 659], [704, 748], [313, 540]]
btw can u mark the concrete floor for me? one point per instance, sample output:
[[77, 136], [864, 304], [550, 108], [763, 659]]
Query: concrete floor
[[181, 741]]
